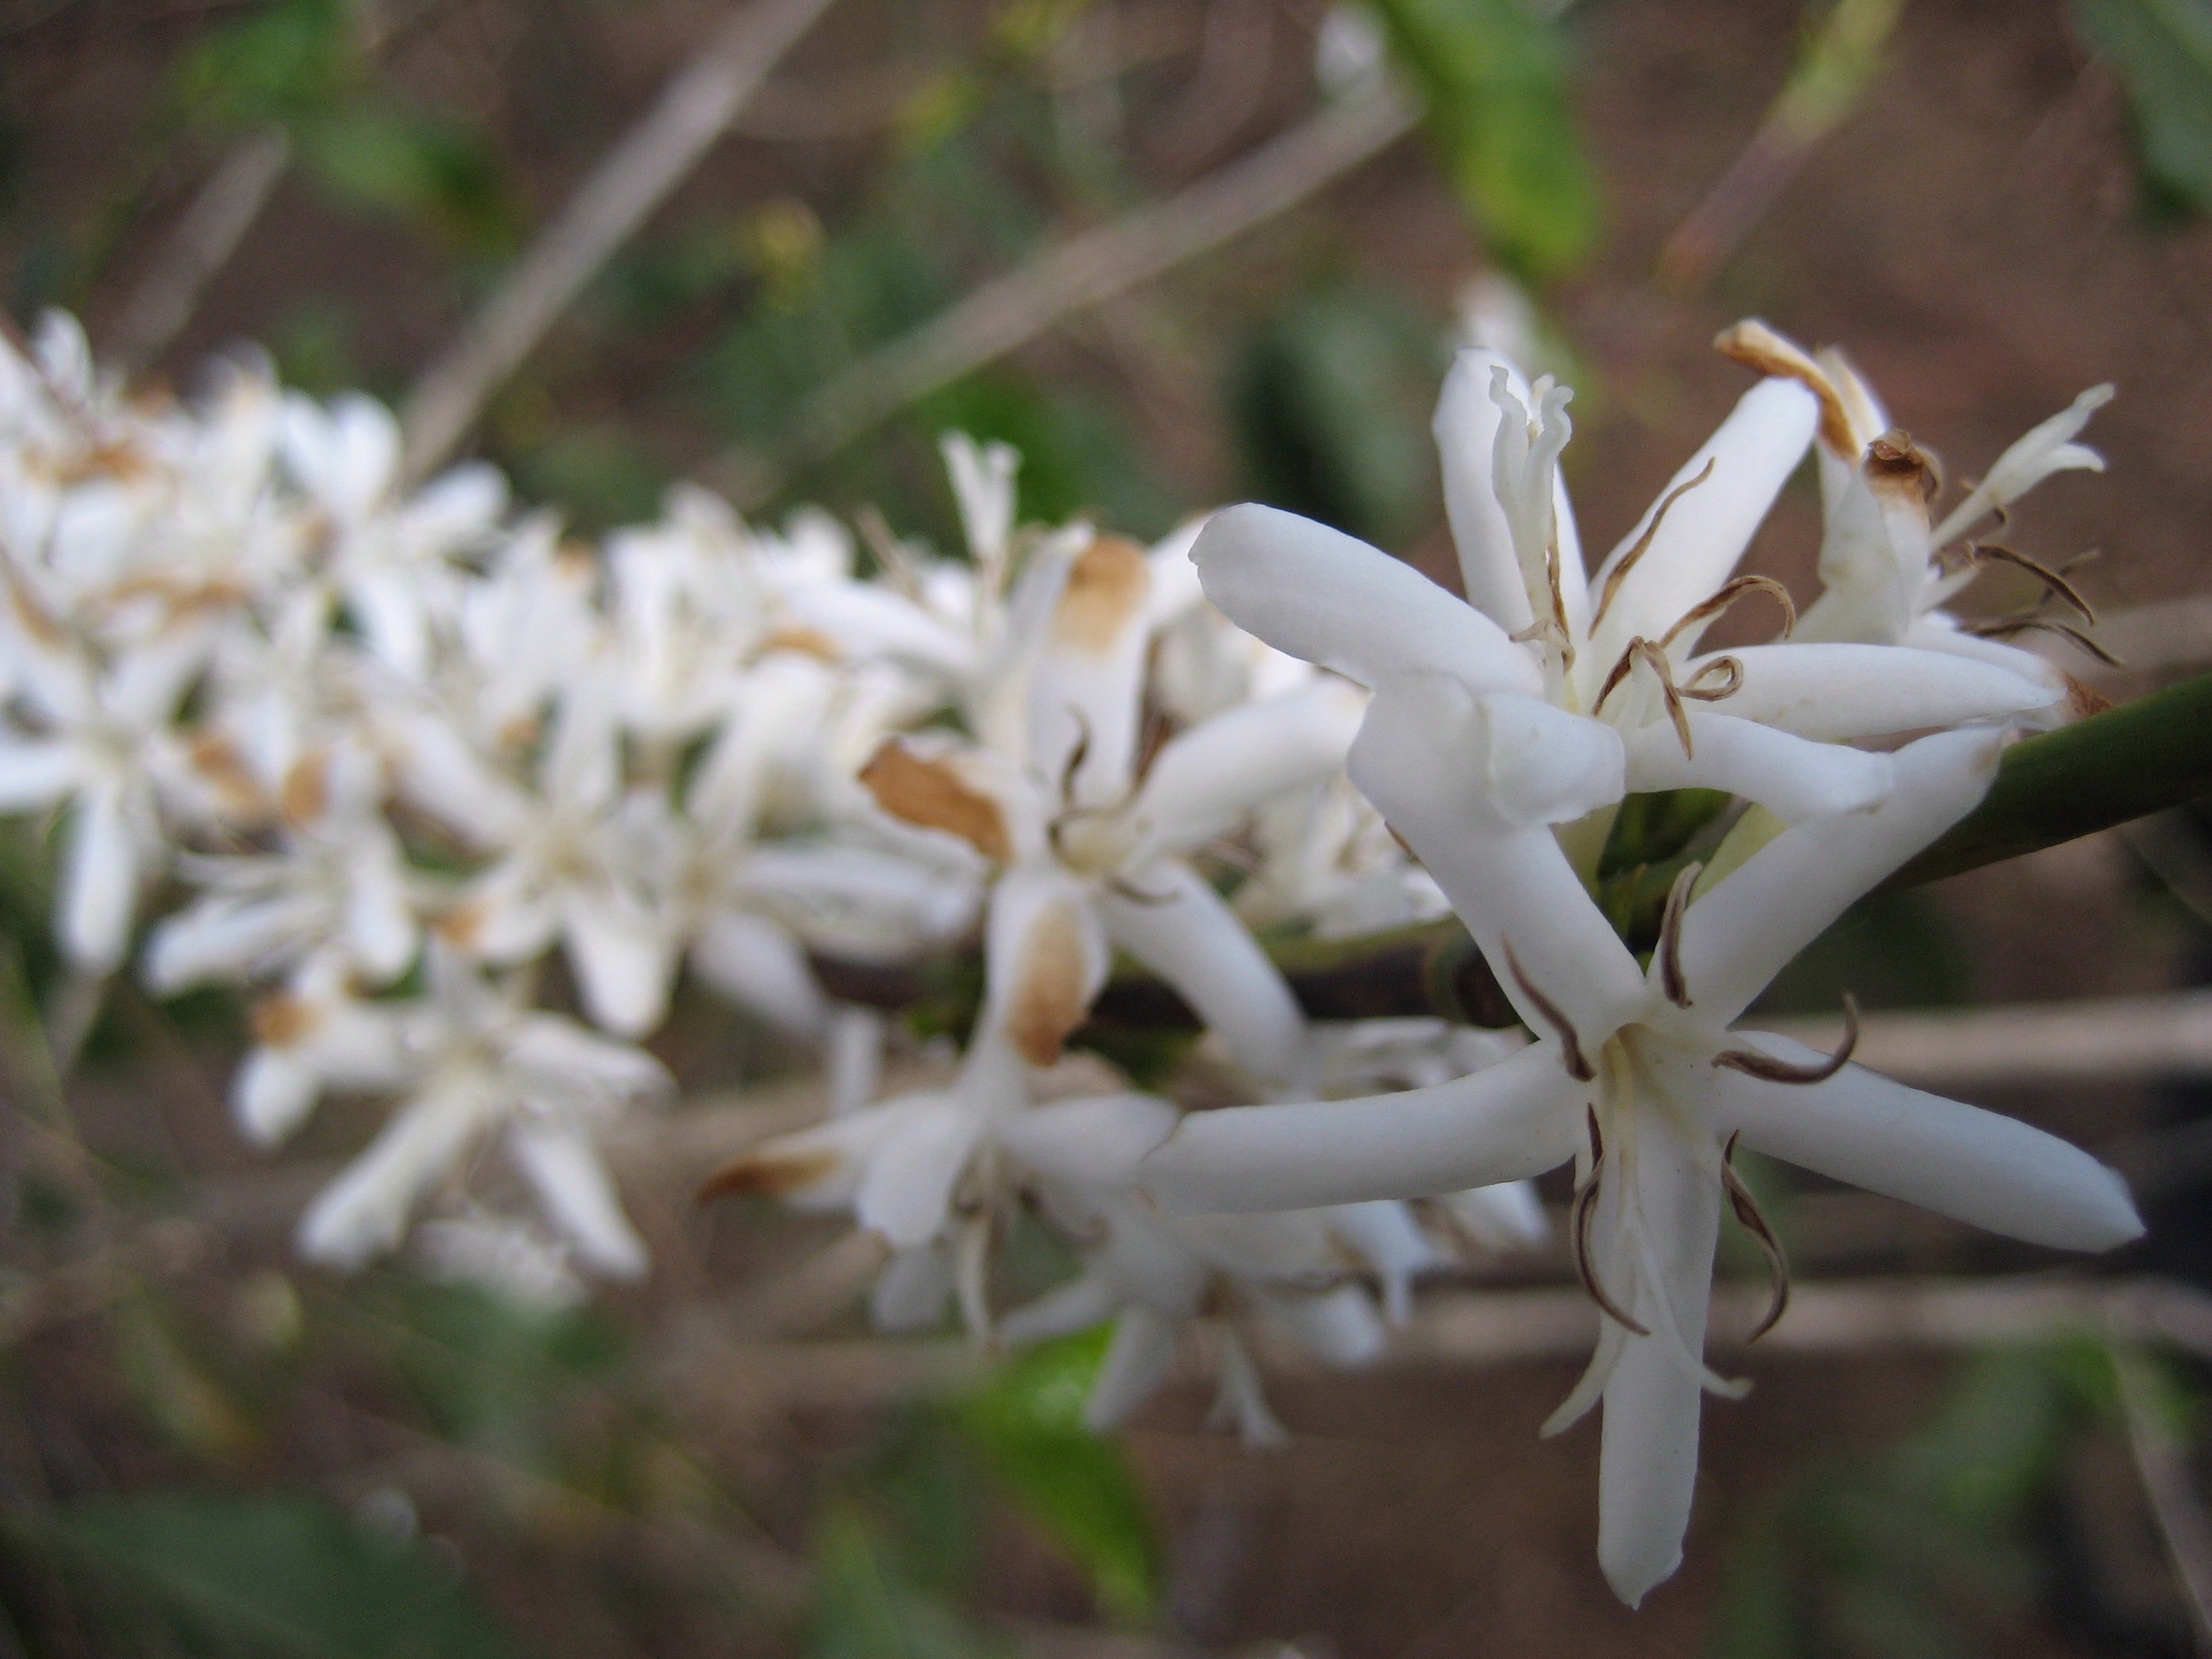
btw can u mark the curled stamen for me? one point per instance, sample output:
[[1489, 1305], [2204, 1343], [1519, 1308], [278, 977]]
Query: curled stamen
[[1577, 1062], [1620, 573], [1670, 951], [1754, 1222], [1753, 1062], [1641, 649], [1730, 670], [1726, 598], [1585, 1214], [2010, 625], [1984, 552]]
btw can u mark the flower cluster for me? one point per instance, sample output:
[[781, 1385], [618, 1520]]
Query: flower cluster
[[422, 773], [1504, 736]]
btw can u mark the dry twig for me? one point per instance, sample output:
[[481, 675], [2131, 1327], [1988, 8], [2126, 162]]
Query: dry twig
[[693, 110], [1016, 308]]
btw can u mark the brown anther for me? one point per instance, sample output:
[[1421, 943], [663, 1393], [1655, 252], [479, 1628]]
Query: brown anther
[[1642, 648], [1728, 595], [1894, 461], [1670, 950], [1983, 552], [1755, 1062], [1754, 1222], [1619, 574], [1578, 1063]]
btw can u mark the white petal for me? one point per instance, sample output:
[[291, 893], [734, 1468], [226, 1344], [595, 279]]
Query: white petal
[[760, 967], [1318, 595], [1075, 1306], [1085, 706], [1181, 928], [1516, 891], [1338, 1328], [1648, 1467], [852, 1063], [1973, 1165], [365, 1210], [271, 1094], [578, 1196], [1137, 1359], [1044, 960], [1506, 1216], [1790, 776], [1466, 431], [220, 938], [1832, 692], [1384, 1234], [906, 1192], [1514, 1120], [35, 774], [1205, 780], [1706, 529], [2032, 457], [911, 1293], [1096, 1142], [622, 963], [1744, 931], [1504, 760], [99, 887]]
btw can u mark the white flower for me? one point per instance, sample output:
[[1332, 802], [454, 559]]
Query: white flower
[[480, 1062], [1641, 1080], [1568, 693]]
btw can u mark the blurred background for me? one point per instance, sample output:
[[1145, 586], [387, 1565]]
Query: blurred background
[[1179, 252]]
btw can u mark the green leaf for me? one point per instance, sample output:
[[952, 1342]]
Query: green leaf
[[2124, 764], [1076, 1485], [283, 62], [864, 1610], [419, 168], [2161, 51], [283, 1575], [1494, 74]]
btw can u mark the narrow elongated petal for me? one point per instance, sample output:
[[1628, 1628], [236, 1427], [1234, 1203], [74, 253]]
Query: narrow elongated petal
[[911, 1293], [1319, 595], [36, 774], [1466, 429], [1338, 1328], [1833, 692], [1513, 887], [2049, 448], [759, 966], [1708, 525], [99, 888], [906, 1192], [623, 962], [1513, 1120], [1790, 777], [1743, 933], [579, 1197], [1044, 960], [1083, 703], [272, 1093], [364, 1212], [1136, 1361], [1959, 1161], [1094, 1143], [1075, 1306], [1209, 777], [1175, 924], [1648, 1467]]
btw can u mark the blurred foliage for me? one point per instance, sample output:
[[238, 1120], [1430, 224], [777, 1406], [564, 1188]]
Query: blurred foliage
[[1935, 1548], [281, 1575], [1330, 405], [2161, 51], [1495, 76]]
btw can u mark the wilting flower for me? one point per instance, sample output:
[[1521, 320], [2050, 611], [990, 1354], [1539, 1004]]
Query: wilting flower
[[1639, 1080], [1886, 570]]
